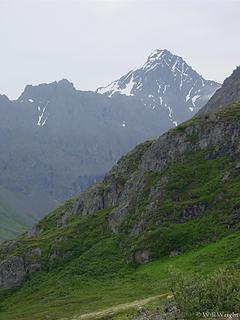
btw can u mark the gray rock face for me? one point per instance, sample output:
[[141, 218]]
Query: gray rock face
[[12, 272], [167, 84], [15, 267], [193, 211], [147, 315], [56, 141], [228, 93], [222, 138], [142, 256], [117, 217], [170, 312]]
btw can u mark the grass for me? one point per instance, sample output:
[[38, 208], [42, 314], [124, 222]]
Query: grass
[[64, 293], [196, 206]]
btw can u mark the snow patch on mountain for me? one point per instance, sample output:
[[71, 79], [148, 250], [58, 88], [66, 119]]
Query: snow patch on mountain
[[115, 87], [42, 118], [188, 95], [127, 90], [194, 99], [165, 81]]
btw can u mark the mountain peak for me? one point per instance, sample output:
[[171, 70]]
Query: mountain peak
[[156, 56], [166, 83], [158, 52], [163, 58], [4, 98], [64, 83], [155, 53], [46, 90]]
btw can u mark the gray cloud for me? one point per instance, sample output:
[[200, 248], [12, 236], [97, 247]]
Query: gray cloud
[[94, 42]]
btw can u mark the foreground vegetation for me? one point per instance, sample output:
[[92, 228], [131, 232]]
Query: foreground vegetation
[[218, 293], [62, 293]]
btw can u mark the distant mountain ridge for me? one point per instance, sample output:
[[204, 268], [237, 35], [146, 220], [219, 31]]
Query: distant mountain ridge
[[56, 140], [165, 81]]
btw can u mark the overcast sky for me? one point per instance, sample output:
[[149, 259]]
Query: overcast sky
[[94, 42]]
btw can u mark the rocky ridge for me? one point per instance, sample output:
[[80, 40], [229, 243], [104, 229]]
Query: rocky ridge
[[228, 93]]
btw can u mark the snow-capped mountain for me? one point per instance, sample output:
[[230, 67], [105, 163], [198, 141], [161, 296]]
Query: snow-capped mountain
[[56, 140], [167, 82]]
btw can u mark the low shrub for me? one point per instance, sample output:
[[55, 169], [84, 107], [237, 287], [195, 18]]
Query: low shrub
[[216, 295]]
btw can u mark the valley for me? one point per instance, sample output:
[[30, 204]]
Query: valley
[[169, 206]]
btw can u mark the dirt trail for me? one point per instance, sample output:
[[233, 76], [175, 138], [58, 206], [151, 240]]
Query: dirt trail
[[116, 309]]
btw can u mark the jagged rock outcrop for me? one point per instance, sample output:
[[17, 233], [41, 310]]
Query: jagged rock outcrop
[[228, 93], [162, 198], [170, 147], [16, 268], [12, 272]]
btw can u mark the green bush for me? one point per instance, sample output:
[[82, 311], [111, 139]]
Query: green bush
[[217, 293]]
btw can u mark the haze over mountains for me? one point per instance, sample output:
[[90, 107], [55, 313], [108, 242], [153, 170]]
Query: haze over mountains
[[56, 140], [173, 201]]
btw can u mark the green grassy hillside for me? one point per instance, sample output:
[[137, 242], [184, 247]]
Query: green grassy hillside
[[169, 204], [65, 292], [13, 218]]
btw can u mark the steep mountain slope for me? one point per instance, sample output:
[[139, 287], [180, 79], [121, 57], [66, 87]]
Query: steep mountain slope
[[228, 93], [165, 82], [163, 199], [55, 141]]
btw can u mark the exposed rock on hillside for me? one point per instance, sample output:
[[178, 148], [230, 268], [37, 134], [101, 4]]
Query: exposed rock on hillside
[[160, 191], [161, 199], [228, 93]]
